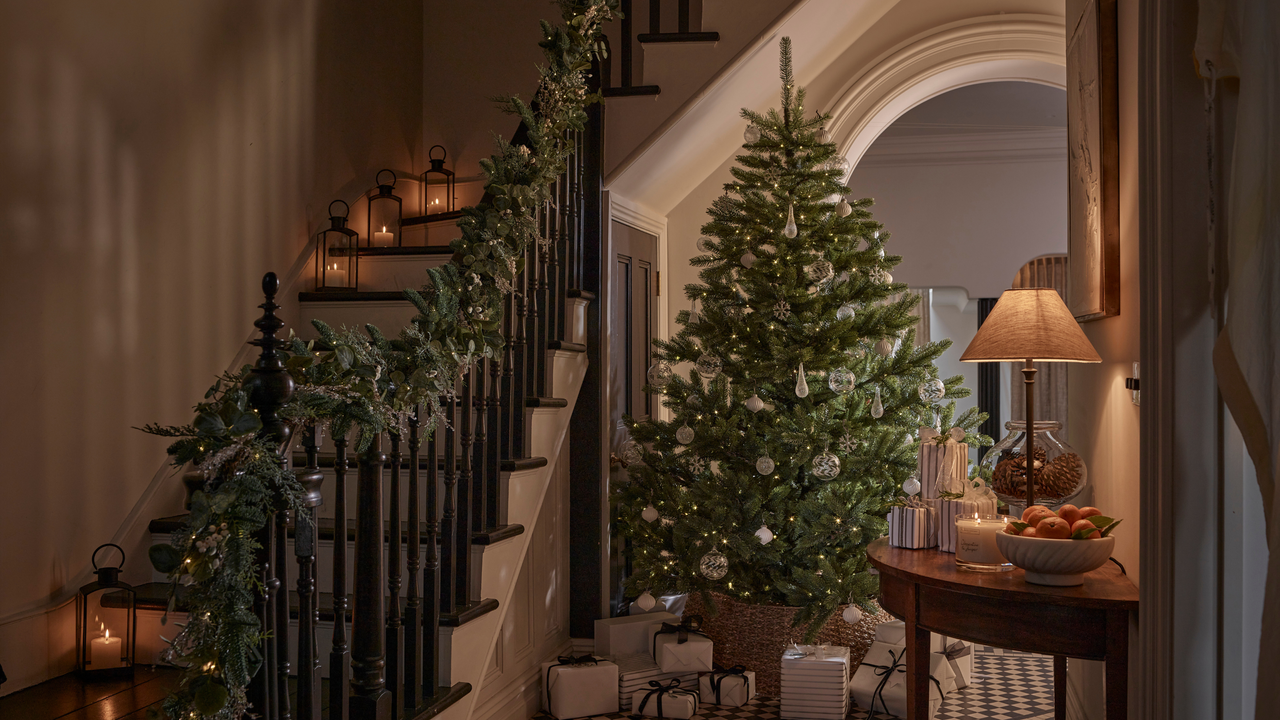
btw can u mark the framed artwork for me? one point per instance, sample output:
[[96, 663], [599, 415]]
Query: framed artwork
[[1093, 164]]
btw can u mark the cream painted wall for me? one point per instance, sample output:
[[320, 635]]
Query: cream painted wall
[[156, 159]]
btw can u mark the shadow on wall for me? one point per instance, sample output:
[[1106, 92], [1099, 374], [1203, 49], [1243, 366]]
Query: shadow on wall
[[154, 162]]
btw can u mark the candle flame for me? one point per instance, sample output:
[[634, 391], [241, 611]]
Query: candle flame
[[384, 228], [108, 636]]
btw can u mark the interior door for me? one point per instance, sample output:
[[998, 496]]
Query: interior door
[[632, 321]]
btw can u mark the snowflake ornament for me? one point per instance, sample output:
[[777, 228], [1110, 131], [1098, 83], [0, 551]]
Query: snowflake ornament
[[697, 465], [782, 310], [848, 444]]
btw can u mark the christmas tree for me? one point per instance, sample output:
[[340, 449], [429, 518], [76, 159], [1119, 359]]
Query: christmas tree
[[794, 430]]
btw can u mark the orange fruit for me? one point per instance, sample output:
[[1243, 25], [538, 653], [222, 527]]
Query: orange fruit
[[1033, 519], [1053, 527], [1070, 513], [1083, 525], [1089, 511], [1028, 531], [1010, 529], [1026, 513]]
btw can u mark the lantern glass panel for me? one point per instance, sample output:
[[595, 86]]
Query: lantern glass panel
[[437, 185], [385, 212], [337, 254]]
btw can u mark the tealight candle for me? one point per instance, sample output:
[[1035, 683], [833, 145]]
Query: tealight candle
[[976, 543]]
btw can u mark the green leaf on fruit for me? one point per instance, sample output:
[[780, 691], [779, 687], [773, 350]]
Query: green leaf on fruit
[[1100, 521], [1083, 533], [1107, 530], [1019, 525]]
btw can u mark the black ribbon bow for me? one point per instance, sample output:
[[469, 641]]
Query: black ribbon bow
[[719, 674], [571, 661], [672, 689], [689, 624], [898, 663], [954, 652]]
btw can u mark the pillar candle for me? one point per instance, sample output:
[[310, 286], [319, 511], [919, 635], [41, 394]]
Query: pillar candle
[[384, 238], [976, 539], [335, 275], [104, 652]]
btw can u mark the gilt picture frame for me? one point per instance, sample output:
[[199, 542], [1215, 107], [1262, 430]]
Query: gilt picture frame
[[1093, 161]]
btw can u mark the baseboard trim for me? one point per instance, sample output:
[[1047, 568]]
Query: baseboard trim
[[519, 700]]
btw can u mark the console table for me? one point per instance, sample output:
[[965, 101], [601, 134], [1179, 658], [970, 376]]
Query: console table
[[926, 590]]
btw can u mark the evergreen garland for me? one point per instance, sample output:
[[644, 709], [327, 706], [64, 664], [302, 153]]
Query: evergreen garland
[[359, 380]]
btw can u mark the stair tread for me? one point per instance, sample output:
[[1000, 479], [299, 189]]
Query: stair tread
[[679, 37], [523, 464], [411, 251], [632, 91], [433, 218], [567, 346], [325, 530], [546, 402], [352, 296], [155, 596]]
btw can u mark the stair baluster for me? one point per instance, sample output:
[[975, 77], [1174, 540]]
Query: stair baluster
[[519, 385], [448, 517], [280, 640], [431, 590], [480, 465], [413, 647], [462, 548], [537, 303], [492, 448], [369, 697], [394, 630], [340, 655], [304, 550]]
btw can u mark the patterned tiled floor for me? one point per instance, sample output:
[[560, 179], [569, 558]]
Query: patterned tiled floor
[[1007, 685]]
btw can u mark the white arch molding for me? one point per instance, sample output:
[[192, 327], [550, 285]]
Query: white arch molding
[[1027, 48]]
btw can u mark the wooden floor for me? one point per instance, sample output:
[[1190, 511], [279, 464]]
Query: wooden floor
[[69, 698]]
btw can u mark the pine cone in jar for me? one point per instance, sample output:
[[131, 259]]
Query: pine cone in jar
[[1010, 474], [1060, 477]]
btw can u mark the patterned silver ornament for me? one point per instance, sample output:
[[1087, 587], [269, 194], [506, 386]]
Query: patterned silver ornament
[[704, 244], [884, 347], [843, 208], [764, 465], [754, 403], [709, 365], [852, 615], [632, 452], [748, 259], [841, 380], [649, 513], [826, 466], [684, 434], [820, 272], [714, 565], [764, 535], [912, 485], [659, 375], [931, 391], [646, 601], [846, 312], [751, 134]]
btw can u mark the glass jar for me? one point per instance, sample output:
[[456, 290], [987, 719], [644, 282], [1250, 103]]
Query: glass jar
[[1060, 474]]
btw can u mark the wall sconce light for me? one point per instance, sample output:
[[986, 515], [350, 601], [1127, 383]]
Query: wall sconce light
[[1131, 383], [384, 213], [106, 623], [437, 184], [337, 253]]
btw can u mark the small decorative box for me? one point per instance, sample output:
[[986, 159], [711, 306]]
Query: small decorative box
[[732, 688], [947, 512], [574, 687], [880, 683], [681, 648], [666, 701], [636, 670], [815, 682], [913, 527]]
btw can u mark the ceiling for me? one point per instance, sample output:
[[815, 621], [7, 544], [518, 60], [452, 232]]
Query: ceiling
[[992, 107]]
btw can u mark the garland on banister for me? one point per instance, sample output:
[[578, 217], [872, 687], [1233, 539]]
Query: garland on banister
[[361, 380]]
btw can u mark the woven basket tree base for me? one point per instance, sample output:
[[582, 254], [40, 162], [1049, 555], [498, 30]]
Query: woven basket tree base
[[754, 636]]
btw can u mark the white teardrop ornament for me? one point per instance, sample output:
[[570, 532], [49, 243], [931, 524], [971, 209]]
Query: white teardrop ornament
[[911, 486], [791, 230], [877, 408], [802, 387]]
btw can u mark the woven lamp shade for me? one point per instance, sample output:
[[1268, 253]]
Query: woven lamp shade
[[1030, 324]]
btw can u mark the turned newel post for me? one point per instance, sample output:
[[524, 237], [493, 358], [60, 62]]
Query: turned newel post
[[369, 697], [270, 386]]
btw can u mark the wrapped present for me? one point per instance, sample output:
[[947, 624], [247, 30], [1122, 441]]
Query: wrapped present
[[574, 687], [733, 687], [959, 655], [636, 670], [894, 632], [913, 526], [628, 634], [665, 700], [815, 682], [943, 462], [949, 509], [880, 683], [673, 604], [681, 647]]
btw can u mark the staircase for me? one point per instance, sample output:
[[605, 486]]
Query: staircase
[[391, 607]]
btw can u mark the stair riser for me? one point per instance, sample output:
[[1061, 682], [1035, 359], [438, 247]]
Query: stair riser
[[392, 273]]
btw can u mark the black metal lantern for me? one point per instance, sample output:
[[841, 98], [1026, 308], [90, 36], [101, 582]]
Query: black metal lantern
[[384, 214], [437, 184], [337, 253], [106, 623]]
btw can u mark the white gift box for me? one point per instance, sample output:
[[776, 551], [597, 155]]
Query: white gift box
[[816, 686], [883, 689], [943, 468], [913, 527], [628, 634], [736, 689], [636, 670], [894, 632], [579, 690], [668, 702], [673, 656], [959, 655], [947, 512]]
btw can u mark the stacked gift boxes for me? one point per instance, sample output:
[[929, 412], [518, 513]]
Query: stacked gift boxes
[[913, 526], [637, 670], [815, 682], [880, 683]]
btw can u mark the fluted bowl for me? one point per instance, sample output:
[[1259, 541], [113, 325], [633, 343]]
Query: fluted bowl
[[1055, 562]]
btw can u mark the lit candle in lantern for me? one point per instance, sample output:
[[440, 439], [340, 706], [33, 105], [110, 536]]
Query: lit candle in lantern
[[976, 542], [335, 275], [105, 652], [384, 238]]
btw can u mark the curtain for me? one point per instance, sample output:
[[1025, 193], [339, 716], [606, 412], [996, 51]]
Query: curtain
[[1241, 38]]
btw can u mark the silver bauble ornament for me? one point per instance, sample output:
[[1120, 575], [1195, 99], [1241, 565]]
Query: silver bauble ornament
[[754, 403], [649, 513], [709, 365], [751, 134], [748, 259], [791, 230], [632, 452], [884, 347], [659, 375], [820, 272], [684, 434], [704, 244], [843, 208], [912, 485], [646, 601], [764, 465], [931, 391], [841, 380], [852, 615], [846, 312], [765, 535], [802, 387], [714, 565], [826, 465]]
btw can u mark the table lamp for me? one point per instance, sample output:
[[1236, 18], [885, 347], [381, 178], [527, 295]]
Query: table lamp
[[1030, 325]]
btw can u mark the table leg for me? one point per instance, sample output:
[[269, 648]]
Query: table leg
[[1117, 673], [1059, 687], [917, 662]]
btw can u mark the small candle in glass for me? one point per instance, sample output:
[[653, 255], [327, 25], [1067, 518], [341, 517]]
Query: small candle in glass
[[976, 543]]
